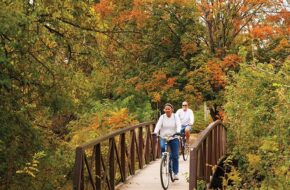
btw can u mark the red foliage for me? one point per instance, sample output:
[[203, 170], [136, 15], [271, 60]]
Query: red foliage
[[262, 31], [136, 14], [188, 48], [218, 78], [231, 61], [218, 69], [171, 81], [104, 8]]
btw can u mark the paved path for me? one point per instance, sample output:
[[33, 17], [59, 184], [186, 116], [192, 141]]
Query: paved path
[[149, 177]]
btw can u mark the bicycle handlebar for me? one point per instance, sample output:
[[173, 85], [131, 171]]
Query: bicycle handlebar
[[172, 136]]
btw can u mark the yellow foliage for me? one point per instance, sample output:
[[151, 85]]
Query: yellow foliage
[[284, 43], [269, 146], [95, 123], [156, 97], [189, 88], [119, 119], [31, 167], [282, 170], [233, 176], [253, 159]]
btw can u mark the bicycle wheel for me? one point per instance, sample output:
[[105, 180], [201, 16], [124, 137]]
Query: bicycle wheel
[[164, 172], [171, 170], [185, 151], [182, 147]]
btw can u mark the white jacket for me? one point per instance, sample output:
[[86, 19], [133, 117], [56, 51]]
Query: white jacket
[[186, 117], [168, 126]]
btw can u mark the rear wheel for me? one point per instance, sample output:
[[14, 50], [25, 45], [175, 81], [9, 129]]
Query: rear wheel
[[164, 172]]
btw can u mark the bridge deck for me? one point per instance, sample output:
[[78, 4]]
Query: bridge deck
[[149, 177]]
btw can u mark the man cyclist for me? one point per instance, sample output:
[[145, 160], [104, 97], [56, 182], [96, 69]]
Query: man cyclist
[[187, 119]]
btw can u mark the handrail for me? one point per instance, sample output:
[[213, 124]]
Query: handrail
[[111, 157], [206, 152], [115, 133]]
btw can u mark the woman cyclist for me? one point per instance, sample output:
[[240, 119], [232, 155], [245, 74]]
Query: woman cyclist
[[168, 125]]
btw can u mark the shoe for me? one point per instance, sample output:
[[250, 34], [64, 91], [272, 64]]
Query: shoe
[[175, 177]]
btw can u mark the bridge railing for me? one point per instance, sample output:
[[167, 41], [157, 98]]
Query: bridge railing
[[206, 152], [105, 162]]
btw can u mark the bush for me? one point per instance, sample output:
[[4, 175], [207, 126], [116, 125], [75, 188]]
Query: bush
[[258, 121]]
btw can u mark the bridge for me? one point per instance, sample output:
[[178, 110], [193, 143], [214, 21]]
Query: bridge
[[129, 159]]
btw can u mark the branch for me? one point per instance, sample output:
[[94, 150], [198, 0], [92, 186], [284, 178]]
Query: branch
[[3, 44], [48, 70], [95, 30], [53, 30], [247, 22]]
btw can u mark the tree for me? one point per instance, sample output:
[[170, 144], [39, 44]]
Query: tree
[[43, 45], [225, 20]]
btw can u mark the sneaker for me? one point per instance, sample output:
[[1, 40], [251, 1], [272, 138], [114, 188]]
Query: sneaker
[[175, 177]]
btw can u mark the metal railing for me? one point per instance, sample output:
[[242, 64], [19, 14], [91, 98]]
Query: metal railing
[[206, 152], [109, 160]]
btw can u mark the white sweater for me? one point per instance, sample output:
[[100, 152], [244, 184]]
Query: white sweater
[[186, 117], [168, 126]]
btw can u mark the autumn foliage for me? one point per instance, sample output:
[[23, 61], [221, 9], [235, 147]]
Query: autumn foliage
[[71, 71]]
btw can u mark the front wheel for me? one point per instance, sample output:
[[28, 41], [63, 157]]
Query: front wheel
[[164, 172], [171, 170]]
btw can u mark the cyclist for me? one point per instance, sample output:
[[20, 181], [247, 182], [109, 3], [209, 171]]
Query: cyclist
[[168, 125], [187, 119]]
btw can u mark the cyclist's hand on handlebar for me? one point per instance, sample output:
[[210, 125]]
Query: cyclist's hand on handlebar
[[154, 134], [177, 134]]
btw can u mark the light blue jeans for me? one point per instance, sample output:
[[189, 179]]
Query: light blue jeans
[[182, 131], [174, 155]]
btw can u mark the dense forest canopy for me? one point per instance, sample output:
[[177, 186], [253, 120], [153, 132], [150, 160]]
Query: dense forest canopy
[[71, 71]]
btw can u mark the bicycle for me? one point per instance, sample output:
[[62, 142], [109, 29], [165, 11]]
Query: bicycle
[[166, 164]]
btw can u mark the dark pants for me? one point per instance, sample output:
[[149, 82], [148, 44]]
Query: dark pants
[[174, 155]]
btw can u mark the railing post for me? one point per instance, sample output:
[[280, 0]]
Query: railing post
[[98, 165], [209, 156], [214, 146], [193, 169], [158, 154], [198, 164], [154, 143], [225, 140], [123, 154], [204, 159], [132, 152], [219, 141], [201, 166], [79, 170], [140, 147], [147, 145], [111, 159]]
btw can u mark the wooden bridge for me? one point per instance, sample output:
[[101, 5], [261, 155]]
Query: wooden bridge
[[129, 157]]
